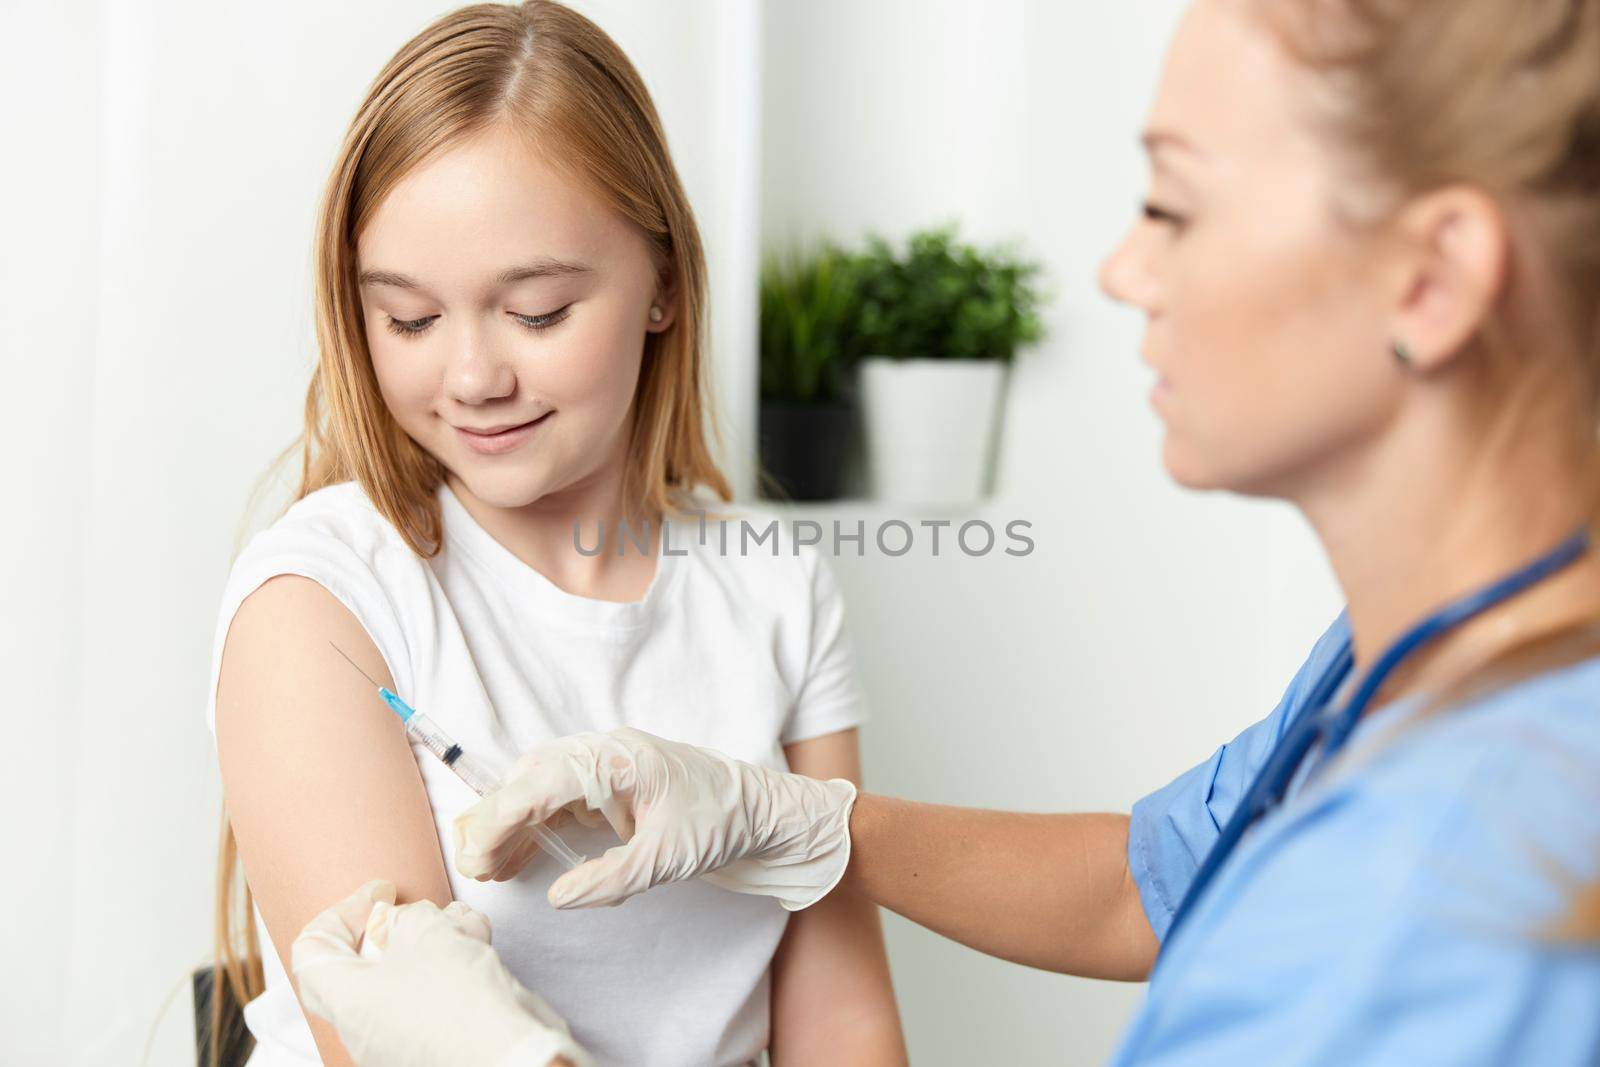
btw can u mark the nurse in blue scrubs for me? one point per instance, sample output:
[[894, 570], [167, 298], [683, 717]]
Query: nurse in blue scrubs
[[1368, 263]]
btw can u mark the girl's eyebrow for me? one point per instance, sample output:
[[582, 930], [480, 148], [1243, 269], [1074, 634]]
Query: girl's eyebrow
[[543, 268]]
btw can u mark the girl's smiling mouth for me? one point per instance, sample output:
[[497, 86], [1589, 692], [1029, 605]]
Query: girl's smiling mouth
[[503, 439]]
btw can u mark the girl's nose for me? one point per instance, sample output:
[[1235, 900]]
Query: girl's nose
[[478, 372]]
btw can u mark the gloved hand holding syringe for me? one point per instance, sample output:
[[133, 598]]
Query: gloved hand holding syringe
[[469, 769]]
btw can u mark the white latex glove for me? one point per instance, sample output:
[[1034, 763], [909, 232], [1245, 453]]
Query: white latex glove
[[682, 811], [414, 986]]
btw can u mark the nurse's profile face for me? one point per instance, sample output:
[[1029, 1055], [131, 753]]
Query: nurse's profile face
[[1266, 321], [500, 295]]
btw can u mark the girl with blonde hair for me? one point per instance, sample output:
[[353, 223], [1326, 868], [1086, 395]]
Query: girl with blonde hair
[[510, 311]]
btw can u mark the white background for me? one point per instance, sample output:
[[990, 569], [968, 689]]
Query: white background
[[161, 166]]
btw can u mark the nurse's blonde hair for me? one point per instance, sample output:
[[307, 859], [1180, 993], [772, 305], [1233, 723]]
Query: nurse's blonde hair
[[1416, 95], [563, 82]]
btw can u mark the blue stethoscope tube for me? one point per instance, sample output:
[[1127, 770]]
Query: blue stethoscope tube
[[1319, 720]]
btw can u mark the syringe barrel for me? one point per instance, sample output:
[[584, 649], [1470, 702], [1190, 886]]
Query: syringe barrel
[[479, 778]]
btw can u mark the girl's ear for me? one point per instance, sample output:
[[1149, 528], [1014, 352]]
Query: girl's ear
[[664, 305]]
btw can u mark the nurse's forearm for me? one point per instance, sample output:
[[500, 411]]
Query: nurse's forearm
[[1050, 891]]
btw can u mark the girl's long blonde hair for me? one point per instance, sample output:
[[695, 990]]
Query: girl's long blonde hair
[[564, 83], [1417, 95]]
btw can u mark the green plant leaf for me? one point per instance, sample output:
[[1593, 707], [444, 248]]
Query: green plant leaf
[[807, 304], [943, 299]]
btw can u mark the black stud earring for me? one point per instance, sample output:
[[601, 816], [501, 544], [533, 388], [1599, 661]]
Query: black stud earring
[[1402, 354]]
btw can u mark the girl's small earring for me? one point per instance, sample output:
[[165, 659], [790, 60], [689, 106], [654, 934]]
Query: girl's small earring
[[656, 314], [1402, 354]]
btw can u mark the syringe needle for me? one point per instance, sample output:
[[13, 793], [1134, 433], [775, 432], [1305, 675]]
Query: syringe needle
[[478, 778], [357, 666]]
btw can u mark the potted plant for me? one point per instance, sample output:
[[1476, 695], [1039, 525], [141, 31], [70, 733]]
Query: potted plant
[[807, 417], [938, 327]]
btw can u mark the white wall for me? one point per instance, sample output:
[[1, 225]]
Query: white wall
[[45, 334], [161, 171], [1149, 624]]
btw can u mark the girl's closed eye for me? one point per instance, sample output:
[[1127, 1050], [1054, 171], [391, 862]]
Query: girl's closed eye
[[415, 327], [408, 327], [545, 321]]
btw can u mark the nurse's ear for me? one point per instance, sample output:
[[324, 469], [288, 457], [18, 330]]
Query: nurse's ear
[[1449, 271]]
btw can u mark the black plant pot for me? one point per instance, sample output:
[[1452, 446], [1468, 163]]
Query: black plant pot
[[804, 448]]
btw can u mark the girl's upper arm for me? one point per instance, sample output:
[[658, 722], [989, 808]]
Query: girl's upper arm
[[832, 998], [320, 783]]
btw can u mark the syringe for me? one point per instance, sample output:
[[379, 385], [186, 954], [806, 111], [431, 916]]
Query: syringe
[[479, 778]]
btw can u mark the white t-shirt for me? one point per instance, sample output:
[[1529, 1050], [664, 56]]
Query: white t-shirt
[[742, 653]]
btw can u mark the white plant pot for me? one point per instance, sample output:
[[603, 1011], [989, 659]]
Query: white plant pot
[[930, 427]]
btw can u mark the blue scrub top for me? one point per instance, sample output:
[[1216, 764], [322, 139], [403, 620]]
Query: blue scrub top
[[1390, 911]]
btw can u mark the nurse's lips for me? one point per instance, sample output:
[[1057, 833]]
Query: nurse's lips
[[492, 440], [1163, 388]]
